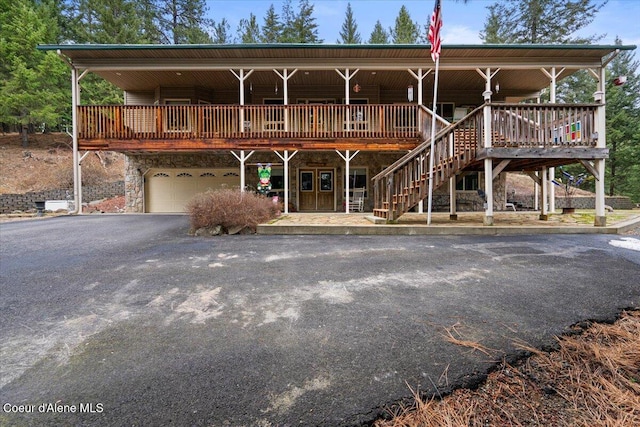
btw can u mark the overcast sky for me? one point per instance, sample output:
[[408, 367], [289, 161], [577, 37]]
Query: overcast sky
[[462, 22]]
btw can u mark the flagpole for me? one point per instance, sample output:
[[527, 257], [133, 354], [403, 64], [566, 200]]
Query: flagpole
[[433, 137]]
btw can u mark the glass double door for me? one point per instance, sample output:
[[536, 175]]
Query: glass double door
[[317, 189]]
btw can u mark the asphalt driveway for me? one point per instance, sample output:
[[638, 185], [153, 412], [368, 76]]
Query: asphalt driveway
[[126, 320]]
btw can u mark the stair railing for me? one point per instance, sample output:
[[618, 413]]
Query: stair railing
[[405, 183]]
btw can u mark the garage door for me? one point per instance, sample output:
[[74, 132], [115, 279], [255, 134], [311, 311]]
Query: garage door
[[169, 190]]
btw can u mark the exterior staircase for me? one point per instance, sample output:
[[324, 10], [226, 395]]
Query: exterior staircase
[[405, 183]]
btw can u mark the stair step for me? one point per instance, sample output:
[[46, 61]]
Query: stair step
[[381, 213]]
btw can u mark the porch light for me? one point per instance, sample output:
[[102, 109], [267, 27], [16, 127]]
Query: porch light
[[410, 93], [276, 87], [178, 73], [598, 96], [620, 80], [356, 88], [497, 87]]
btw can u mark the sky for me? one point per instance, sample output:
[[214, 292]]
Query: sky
[[462, 22]]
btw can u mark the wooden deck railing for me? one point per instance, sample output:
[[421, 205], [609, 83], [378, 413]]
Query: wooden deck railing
[[544, 125], [168, 122], [520, 126]]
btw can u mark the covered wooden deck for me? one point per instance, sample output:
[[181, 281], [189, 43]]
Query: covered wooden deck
[[255, 127]]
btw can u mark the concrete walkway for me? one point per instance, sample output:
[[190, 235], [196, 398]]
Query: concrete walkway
[[467, 224]]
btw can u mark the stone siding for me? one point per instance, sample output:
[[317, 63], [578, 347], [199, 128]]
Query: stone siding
[[26, 201]]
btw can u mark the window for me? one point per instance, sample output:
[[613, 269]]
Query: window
[[468, 182], [446, 110], [357, 179], [277, 178], [326, 181], [306, 181]]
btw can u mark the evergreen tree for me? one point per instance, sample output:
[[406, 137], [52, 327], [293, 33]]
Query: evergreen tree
[[184, 22], [405, 30], [379, 35], [623, 126], [349, 33], [299, 27], [32, 84], [539, 21], [272, 28], [221, 32], [249, 30], [118, 22]]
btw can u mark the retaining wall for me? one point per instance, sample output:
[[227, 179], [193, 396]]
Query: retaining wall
[[23, 202]]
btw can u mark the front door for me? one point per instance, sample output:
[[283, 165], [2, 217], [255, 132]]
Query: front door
[[317, 189]]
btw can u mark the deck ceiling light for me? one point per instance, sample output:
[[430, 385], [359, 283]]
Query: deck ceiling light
[[178, 73], [620, 80]]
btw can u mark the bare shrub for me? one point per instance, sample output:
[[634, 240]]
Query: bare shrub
[[230, 208]]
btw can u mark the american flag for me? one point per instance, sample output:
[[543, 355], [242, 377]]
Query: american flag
[[434, 31]]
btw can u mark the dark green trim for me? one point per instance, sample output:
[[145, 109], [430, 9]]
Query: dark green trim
[[79, 47]]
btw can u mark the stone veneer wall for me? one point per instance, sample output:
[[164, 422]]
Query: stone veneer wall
[[137, 165]]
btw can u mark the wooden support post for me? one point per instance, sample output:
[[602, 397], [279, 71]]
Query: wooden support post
[[599, 96], [242, 158], [347, 160], [544, 213], [488, 191], [285, 158]]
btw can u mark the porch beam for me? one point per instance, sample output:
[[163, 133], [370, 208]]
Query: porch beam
[[500, 167], [534, 176], [241, 76], [347, 76], [325, 64], [285, 157], [242, 158], [543, 153], [589, 166], [347, 160], [258, 143], [419, 76]]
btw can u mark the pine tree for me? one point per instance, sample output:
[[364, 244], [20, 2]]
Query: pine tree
[[299, 27], [272, 28], [379, 35], [184, 22], [32, 83], [221, 32], [349, 33], [405, 30], [623, 126], [539, 21], [249, 30]]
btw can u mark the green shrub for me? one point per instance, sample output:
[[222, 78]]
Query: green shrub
[[229, 209]]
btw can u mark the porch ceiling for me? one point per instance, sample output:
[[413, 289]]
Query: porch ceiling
[[146, 67]]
